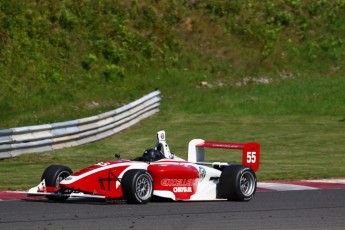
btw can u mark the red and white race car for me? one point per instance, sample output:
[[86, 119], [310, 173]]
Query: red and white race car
[[158, 173]]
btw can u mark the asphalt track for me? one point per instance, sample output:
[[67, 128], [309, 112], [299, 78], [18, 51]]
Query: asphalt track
[[273, 207]]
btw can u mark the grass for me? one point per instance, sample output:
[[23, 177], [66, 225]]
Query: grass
[[270, 72], [292, 147], [298, 122], [301, 96]]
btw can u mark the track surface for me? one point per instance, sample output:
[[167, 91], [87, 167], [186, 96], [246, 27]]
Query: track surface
[[301, 209]]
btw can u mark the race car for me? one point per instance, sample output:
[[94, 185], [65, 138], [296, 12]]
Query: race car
[[158, 173]]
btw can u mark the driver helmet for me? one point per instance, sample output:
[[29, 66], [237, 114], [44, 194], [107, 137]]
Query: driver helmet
[[152, 155]]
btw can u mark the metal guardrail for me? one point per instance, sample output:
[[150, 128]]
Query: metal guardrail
[[42, 138]]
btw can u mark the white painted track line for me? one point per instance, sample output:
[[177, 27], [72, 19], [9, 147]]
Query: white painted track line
[[283, 187]]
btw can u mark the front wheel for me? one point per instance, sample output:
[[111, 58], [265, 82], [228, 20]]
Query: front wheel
[[52, 176], [237, 183], [137, 186]]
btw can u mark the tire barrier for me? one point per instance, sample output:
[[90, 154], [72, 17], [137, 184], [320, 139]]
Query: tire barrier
[[48, 137]]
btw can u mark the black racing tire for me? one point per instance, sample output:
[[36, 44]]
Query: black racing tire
[[52, 176], [237, 183], [137, 186]]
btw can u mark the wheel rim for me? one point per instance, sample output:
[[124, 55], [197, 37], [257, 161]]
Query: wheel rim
[[247, 184], [61, 176], [144, 187]]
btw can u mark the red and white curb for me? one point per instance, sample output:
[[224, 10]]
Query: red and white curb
[[262, 187], [13, 195], [301, 185]]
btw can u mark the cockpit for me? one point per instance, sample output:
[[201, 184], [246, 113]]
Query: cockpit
[[152, 155], [159, 151]]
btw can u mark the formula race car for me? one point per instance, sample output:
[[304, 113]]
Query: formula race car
[[158, 173]]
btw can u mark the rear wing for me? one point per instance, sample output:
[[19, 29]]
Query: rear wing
[[250, 155]]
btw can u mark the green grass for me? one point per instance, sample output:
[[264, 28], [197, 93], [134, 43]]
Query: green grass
[[299, 123], [210, 59], [292, 147], [318, 96]]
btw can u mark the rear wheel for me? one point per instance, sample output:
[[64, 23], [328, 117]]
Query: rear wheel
[[137, 186], [52, 176], [238, 183]]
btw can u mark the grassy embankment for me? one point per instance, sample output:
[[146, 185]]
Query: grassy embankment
[[272, 72]]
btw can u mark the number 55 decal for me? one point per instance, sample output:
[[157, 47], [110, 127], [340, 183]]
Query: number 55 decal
[[251, 155]]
